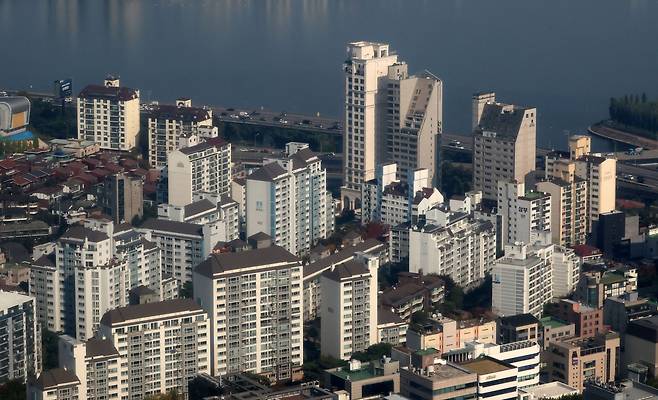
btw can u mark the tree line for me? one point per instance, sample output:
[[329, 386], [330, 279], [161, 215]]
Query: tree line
[[636, 111]]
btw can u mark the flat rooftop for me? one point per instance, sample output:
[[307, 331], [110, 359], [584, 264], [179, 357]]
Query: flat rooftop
[[486, 365], [552, 390], [552, 322], [366, 372]]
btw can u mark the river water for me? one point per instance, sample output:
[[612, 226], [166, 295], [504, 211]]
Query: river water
[[566, 57]]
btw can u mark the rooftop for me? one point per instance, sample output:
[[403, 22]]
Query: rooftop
[[11, 299], [341, 256], [552, 390], [267, 173], [199, 207], [156, 309], [79, 232], [552, 322], [163, 225], [109, 93], [503, 119], [346, 270], [100, 348], [487, 365], [55, 377], [186, 114], [225, 262], [519, 320]]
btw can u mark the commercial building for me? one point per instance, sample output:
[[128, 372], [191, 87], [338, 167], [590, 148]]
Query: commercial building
[[504, 144], [445, 334], [202, 168], [122, 197], [109, 115], [588, 320], [168, 123], [619, 311], [20, 338], [524, 355], [623, 390], [517, 328], [349, 308], [569, 215], [313, 271], [555, 330], [288, 200], [641, 343], [162, 345], [596, 286], [525, 214], [14, 116], [254, 300], [551, 390], [365, 380], [366, 83], [453, 244], [574, 361], [414, 112], [432, 378], [609, 232], [522, 280], [497, 380]]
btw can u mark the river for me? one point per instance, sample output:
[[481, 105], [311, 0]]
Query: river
[[566, 57]]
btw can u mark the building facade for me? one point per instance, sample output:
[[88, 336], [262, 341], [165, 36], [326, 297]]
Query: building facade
[[109, 115], [122, 197], [525, 214], [569, 215], [20, 335]]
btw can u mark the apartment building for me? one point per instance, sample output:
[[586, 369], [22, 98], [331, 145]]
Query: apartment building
[[497, 380], [254, 300], [390, 327], [215, 210], [182, 245], [569, 214], [109, 115], [445, 334], [168, 123], [288, 200], [574, 361], [641, 344], [20, 335], [122, 197], [432, 378], [453, 244], [596, 286], [525, 214], [414, 111], [504, 144], [518, 327], [202, 168], [566, 271], [413, 293], [619, 311], [313, 271], [55, 384], [366, 83], [97, 364], [45, 288], [524, 355], [349, 308], [162, 345], [391, 201], [599, 171], [522, 280]]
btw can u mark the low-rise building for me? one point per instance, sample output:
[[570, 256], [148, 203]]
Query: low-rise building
[[624, 390], [518, 327], [447, 334], [596, 286], [497, 380], [555, 330], [551, 390], [412, 295], [618, 311], [365, 380], [641, 343], [432, 378], [588, 320], [55, 384], [390, 327], [574, 361]]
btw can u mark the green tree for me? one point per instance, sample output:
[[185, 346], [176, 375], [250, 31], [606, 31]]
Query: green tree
[[49, 349], [374, 352], [13, 390], [186, 291]]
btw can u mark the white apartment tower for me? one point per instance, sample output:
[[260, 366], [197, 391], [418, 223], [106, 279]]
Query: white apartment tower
[[20, 337], [161, 345], [414, 112], [349, 307], [288, 200], [522, 279], [524, 214], [569, 211], [566, 271], [202, 168], [254, 300], [109, 115], [366, 80], [504, 144], [168, 123]]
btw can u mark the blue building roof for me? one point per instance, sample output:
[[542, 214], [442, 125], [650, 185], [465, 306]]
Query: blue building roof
[[25, 135]]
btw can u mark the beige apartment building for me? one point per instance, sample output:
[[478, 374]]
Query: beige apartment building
[[504, 143], [168, 123], [599, 171], [414, 121], [109, 115], [569, 213], [574, 361]]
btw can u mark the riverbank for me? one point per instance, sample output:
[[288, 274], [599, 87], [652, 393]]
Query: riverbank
[[604, 130]]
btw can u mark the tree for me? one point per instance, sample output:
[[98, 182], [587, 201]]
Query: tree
[[186, 291], [13, 390], [374, 352], [49, 349]]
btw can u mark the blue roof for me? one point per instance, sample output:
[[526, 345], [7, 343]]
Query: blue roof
[[25, 135]]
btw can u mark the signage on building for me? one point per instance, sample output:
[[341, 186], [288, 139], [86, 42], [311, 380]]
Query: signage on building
[[63, 88]]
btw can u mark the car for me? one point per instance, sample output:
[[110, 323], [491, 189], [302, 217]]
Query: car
[[234, 116], [4, 94], [283, 121], [68, 99], [243, 114]]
